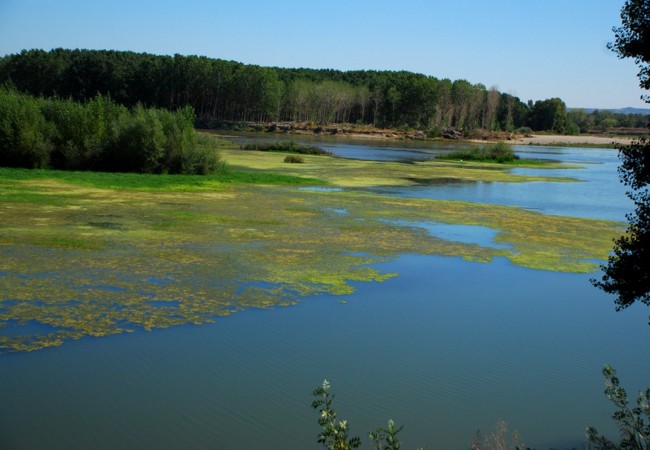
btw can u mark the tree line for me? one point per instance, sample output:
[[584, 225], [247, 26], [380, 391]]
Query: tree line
[[604, 120], [231, 91]]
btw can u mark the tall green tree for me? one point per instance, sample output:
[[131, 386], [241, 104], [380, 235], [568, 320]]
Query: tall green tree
[[549, 115], [626, 273], [221, 90]]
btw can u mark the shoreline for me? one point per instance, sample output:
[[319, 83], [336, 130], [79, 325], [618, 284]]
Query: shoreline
[[566, 140], [370, 132]]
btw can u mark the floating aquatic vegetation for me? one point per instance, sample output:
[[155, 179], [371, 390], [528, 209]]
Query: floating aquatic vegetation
[[100, 261], [356, 173]]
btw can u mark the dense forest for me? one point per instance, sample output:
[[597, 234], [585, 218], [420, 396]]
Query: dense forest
[[229, 91]]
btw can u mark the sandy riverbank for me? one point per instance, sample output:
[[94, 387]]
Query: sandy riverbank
[[369, 132], [538, 139]]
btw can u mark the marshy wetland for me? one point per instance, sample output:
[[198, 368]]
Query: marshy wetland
[[426, 292]]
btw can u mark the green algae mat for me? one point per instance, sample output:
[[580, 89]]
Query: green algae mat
[[100, 254]]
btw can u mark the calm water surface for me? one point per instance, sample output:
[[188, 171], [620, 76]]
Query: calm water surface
[[446, 348], [596, 194]]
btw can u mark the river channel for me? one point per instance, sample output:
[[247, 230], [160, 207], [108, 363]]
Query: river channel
[[446, 348]]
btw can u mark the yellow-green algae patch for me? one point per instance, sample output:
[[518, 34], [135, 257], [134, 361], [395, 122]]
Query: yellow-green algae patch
[[104, 261], [354, 173]]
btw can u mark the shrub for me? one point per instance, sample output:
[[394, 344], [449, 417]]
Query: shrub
[[499, 152], [23, 131], [334, 433], [80, 133], [498, 439], [137, 145], [634, 431], [435, 132], [294, 159], [201, 159], [502, 152]]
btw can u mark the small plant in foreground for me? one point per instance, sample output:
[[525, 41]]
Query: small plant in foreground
[[386, 438], [635, 433], [497, 439], [334, 434]]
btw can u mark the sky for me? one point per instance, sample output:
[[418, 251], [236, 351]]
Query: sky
[[533, 49]]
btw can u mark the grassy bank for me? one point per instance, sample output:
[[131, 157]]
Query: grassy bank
[[149, 182]]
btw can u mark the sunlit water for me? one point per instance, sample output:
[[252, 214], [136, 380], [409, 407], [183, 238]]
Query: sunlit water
[[445, 348], [596, 195]]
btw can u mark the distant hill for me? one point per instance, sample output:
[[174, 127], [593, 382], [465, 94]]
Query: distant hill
[[644, 111]]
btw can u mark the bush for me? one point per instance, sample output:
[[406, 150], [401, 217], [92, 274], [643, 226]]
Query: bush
[[294, 159], [433, 133], [502, 152], [632, 425], [334, 432], [499, 152], [202, 159], [23, 131], [498, 439], [80, 133]]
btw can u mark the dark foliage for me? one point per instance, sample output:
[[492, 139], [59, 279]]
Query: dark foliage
[[632, 38], [100, 135], [230, 91], [549, 115], [626, 273]]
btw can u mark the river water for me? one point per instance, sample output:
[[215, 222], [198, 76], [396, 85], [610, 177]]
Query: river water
[[445, 348]]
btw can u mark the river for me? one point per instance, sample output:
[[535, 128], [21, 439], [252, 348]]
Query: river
[[446, 348]]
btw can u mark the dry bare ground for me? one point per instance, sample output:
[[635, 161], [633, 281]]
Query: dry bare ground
[[538, 139]]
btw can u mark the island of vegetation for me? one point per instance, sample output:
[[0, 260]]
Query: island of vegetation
[[286, 147], [499, 153]]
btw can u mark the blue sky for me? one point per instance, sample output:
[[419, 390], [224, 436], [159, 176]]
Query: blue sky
[[534, 49]]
